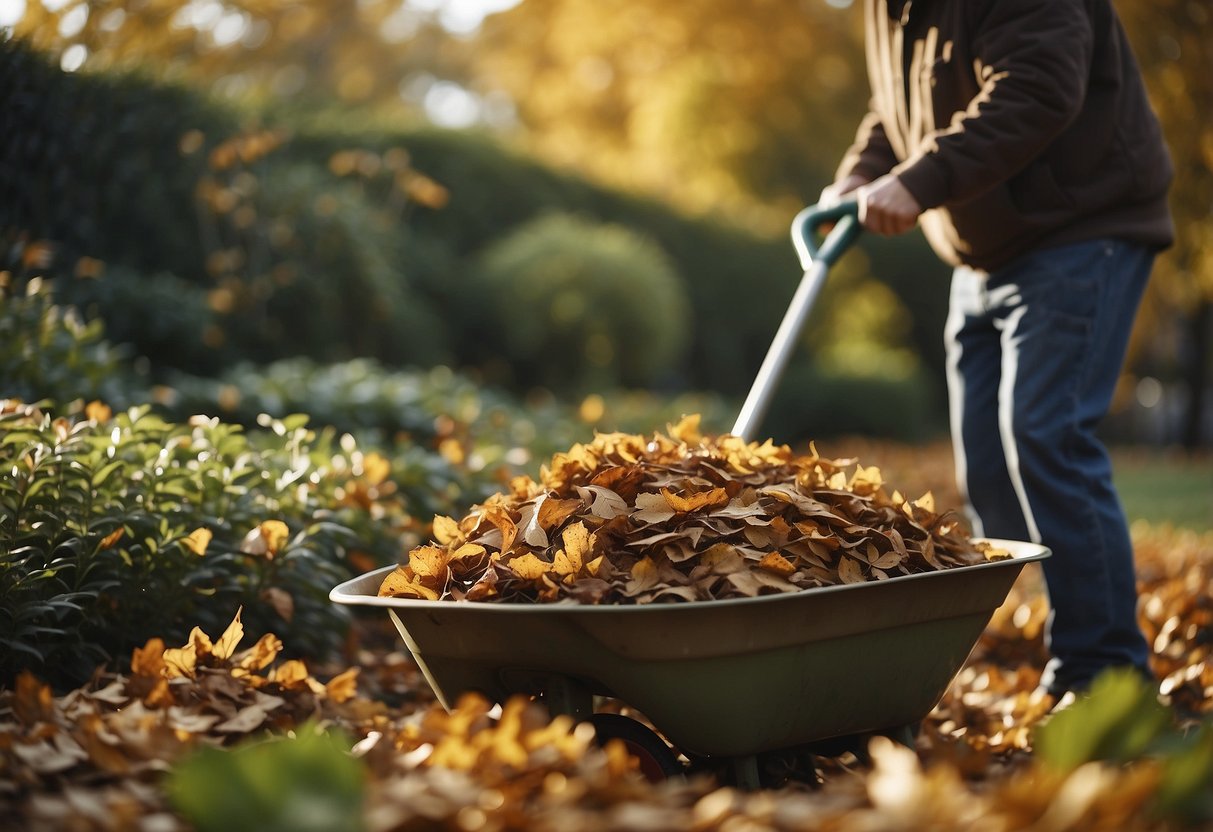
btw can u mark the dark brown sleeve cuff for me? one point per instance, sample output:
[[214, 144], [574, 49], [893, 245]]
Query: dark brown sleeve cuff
[[926, 179]]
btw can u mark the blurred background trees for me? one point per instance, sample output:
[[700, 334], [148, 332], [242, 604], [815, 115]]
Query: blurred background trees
[[252, 180]]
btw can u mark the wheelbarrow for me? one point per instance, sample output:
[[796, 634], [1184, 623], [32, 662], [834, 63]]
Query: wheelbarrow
[[726, 680]]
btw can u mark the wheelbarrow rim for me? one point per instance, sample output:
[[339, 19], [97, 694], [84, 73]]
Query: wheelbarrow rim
[[1021, 552]]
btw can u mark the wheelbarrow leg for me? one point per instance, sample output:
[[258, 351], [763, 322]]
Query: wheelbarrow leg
[[566, 696], [745, 773]]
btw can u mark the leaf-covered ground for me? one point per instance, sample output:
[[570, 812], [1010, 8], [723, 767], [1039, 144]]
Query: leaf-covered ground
[[123, 752]]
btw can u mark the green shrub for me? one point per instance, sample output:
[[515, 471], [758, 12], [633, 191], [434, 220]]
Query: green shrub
[[48, 351], [306, 782], [96, 519], [574, 305], [812, 402], [1120, 720], [156, 315]]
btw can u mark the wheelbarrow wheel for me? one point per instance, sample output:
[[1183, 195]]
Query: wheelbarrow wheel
[[657, 761]]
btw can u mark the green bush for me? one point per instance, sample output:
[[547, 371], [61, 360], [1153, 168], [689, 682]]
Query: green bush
[[160, 315], [306, 782], [101, 172], [99, 533], [813, 402], [574, 305], [336, 278], [48, 351]]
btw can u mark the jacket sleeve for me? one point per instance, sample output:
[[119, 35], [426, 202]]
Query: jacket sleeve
[[871, 155], [1032, 59]]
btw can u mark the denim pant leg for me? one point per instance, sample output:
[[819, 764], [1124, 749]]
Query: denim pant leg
[[1034, 351]]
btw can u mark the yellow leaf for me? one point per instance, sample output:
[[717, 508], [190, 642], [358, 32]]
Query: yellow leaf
[[197, 540], [402, 583], [428, 562], [180, 661], [467, 550], [687, 429], [528, 567], [261, 654], [275, 533], [290, 674], [446, 530], [375, 468], [201, 642], [703, 499], [866, 481], [226, 645], [343, 686], [578, 543], [926, 502]]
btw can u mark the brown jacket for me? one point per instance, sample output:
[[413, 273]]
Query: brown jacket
[[1021, 123]]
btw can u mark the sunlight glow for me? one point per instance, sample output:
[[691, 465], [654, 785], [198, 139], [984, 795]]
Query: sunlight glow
[[463, 16], [11, 11]]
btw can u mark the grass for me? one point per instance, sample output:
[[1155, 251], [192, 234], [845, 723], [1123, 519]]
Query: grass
[[1166, 487], [1159, 486]]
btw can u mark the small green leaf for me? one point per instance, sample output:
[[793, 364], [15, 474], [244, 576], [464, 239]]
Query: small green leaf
[[1119, 719]]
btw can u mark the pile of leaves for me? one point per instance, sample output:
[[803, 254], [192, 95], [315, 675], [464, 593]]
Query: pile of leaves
[[91, 758], [210, 736], [627, 519]]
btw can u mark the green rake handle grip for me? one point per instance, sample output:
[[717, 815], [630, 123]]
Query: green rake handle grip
[[845, 216]]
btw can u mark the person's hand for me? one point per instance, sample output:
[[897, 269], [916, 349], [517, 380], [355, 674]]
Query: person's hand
[[831, 195], [886, 207]]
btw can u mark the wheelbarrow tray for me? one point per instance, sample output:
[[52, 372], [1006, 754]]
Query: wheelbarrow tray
[[722, 678]]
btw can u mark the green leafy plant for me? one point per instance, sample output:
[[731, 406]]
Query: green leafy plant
[[308, 781], [577, 305], [1120, 720], [49, 351], [117, 528]]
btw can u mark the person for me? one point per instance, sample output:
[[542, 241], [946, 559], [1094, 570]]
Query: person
[[1018, 135]]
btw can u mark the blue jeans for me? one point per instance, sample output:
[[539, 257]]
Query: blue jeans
[[1034, 350]]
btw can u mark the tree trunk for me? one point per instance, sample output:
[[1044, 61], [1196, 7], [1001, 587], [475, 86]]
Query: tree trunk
[[1197, 377]]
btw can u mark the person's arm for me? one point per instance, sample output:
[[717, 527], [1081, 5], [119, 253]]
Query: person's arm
[[870, 156], [1034, 57]]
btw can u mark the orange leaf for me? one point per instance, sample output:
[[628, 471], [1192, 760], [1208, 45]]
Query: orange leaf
[[343, 686], [703, 499], [148, 660], [777, 563], [109, 540]]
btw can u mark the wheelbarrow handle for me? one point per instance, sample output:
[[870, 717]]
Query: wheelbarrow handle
[[808, 222], [816, 262]]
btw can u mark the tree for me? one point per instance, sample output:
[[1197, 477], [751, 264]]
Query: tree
[[736, 107], [1173, 40]]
